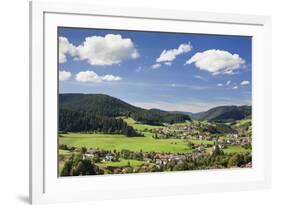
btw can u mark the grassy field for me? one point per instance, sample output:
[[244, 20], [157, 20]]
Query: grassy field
[[146, 143], [235, 149], [244, 121], [201, 142], [61, 164], [183, 123], [64, 152], [119, 142], [139, 126], [122, 163]]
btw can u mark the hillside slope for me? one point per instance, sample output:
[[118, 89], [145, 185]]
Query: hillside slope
[[105, 105], [225, 113]]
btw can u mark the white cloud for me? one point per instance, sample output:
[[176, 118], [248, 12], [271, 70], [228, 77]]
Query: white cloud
[[235, 87], [171, 54], [65, 48], [245, 82], [220, 84], [216, 61], [156, 66], [199, 77], [168, 63], [64, 75], [92, 77], [110, 78], [108, 50], [228, 82], [191, 87]]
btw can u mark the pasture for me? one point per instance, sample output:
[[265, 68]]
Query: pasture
[[122, 163], [119, 142], [140, 126], [235, 149]]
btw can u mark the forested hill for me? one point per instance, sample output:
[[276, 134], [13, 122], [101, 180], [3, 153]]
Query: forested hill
[[107, 106], [225, 113], [99, 104]]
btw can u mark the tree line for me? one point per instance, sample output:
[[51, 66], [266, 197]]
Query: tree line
[[83, 121], [157, 117]]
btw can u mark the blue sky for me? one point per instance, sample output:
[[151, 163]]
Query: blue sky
[[170, 71]]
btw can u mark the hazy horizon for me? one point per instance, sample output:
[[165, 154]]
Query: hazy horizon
[[164, 108]]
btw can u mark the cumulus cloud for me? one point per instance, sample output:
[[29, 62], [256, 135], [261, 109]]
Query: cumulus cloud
[[64, 75], [235, 87], [156, 66], [171, 54], [245, 82], [108, 50], [220, 84], [110, 78], [217, 61], [65, 47], [92, 77]]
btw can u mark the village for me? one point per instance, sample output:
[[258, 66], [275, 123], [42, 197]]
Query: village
[[204, 132], [208, 144]]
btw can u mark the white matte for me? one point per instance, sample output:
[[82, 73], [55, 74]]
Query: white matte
[[47, 187]]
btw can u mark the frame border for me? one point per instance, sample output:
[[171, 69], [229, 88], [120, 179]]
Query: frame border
[[38, 9]]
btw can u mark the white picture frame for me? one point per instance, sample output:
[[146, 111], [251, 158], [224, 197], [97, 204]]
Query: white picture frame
[[46, 187]]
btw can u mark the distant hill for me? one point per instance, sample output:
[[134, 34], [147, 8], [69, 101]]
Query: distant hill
[[108, 106], [224, 113], [158, 110], [192, 115]]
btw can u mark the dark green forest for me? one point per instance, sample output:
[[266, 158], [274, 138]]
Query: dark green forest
[[98, 112], [75, 121], [225, 113]]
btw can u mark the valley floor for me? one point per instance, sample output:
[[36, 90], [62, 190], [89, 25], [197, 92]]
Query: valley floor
[[171, 147]]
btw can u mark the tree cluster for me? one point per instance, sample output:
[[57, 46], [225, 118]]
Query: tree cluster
[[77, 166], [74, 121], [157, 118]]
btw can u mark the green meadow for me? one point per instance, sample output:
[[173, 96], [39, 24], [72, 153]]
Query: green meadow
[[140, 126], [235, 149], [64, 152], [119, 142], [122, 163]]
